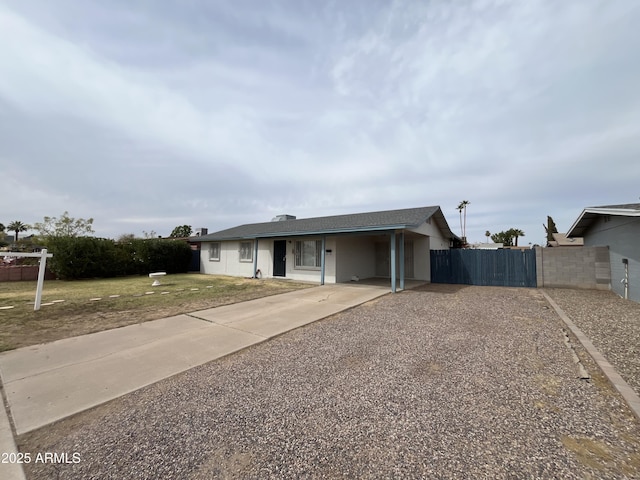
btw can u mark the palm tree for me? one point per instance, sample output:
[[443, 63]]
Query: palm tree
[[463, 226], [17, 226], [515, 233], [487, 234]]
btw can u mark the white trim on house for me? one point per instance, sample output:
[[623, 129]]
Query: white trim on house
[[363, 250], [588, 214]]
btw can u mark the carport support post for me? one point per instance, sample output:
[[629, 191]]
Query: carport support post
[[393, 261], [322, 259], [255, 259], [401, 260]]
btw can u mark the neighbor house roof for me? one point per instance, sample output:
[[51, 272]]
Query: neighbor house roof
[[352, 223], [590, 214], [561, 240]]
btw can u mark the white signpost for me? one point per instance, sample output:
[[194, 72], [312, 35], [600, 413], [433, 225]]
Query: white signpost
[[43, 255]]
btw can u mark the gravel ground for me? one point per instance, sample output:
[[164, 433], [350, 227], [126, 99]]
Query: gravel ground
[[611, 323], [442, 382]]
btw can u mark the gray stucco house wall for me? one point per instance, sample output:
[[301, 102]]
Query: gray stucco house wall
[[618, 227]]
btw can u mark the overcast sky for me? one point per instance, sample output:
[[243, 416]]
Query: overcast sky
[[146, 115]]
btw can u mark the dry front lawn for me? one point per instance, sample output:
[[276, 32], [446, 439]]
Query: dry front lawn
[[71, 308]]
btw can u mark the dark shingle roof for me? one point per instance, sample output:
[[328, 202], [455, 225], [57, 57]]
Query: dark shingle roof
[[351, 223]]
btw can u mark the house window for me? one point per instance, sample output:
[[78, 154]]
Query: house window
[[308, 253], [214, 252], [246, 252]]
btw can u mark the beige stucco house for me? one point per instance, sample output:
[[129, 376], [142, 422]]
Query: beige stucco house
[[393, 244]]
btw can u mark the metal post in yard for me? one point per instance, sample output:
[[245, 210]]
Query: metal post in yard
[[322, 260], [401, 260], [255, 258], [41, 270], [43, 255], [393, 261]]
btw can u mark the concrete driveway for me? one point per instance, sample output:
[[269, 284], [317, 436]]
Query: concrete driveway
[[45, 383], [436, 382]]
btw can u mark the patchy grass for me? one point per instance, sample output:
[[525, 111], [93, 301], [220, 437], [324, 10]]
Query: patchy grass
[[611, 461], [592, 453], [94, 305]]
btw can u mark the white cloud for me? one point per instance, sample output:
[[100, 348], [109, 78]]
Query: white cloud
[[220, 113]]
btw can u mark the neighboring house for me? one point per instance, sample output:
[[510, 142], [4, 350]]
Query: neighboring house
[[390, 244], [561, 240], [618, 227]]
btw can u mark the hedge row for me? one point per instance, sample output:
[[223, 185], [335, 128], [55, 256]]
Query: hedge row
[[90, 257]]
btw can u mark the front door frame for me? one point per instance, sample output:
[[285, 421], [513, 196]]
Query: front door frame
[[280, 258]]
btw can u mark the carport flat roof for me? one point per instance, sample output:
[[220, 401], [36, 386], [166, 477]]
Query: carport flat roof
[[351, 223]]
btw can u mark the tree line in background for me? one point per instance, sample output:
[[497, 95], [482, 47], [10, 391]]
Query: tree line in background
[[509, 238], [67, 226], [78, 255], [16, 227]]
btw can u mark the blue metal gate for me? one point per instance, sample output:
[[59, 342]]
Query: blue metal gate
[[496, 268]]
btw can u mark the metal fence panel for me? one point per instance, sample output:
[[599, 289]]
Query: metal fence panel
[[498, 268]]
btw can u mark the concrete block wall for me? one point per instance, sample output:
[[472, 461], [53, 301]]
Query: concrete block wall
[[573, 267]]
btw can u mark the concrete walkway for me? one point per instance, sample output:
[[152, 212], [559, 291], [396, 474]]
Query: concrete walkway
[[48, 382]]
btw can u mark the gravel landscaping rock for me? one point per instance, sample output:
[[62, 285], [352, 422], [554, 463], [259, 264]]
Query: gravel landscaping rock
[[441, 382], [611, 323]]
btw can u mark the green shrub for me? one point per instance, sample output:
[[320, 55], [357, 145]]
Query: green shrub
[[171, 256], [82, 257], [89, 257]]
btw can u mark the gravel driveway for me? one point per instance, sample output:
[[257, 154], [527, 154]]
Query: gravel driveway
[[611, 323], [442, 382]]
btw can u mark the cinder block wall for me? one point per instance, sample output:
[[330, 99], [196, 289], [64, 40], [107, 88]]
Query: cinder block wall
[[573, 267]]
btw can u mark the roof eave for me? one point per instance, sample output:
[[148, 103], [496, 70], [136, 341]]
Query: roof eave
[[302, 233], [588, 215], [573, 227]]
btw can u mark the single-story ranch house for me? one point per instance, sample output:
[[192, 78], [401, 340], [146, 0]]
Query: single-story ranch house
[[616, 227], [393, 244]]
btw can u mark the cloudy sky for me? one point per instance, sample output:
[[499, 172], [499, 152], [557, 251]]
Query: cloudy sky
[[150, 114]]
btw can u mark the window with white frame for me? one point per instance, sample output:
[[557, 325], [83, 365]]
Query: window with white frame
[[308, 254], [246, 252], [214, 252]]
